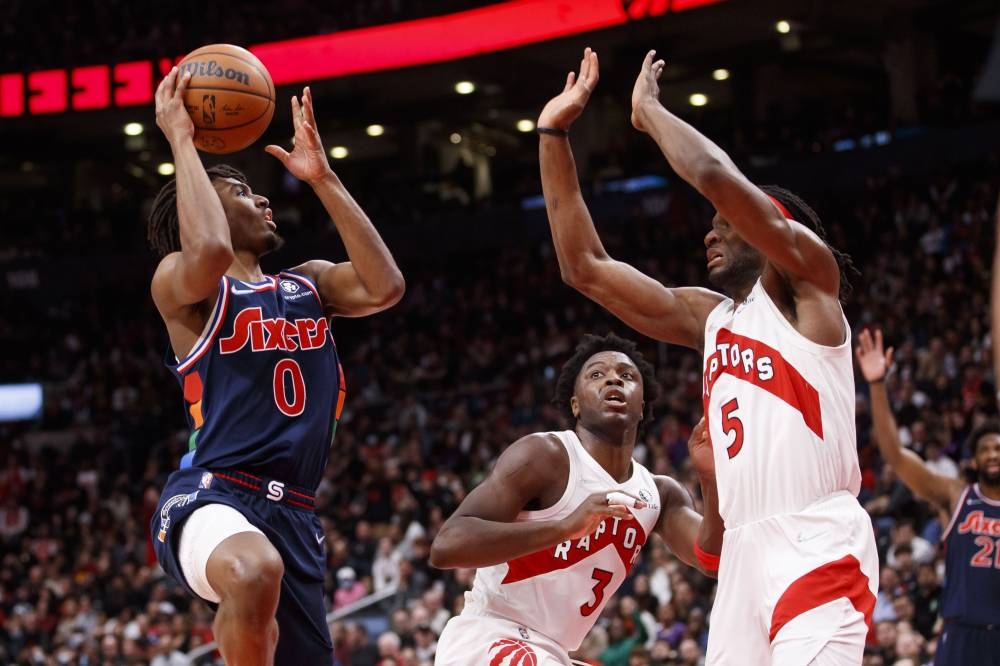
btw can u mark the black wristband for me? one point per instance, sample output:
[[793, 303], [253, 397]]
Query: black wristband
[[552, 130]]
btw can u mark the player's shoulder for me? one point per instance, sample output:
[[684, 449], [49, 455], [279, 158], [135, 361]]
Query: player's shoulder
[[542, 446], [311, 269], [672, 493]]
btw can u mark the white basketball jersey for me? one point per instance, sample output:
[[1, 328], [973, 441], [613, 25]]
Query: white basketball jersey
[[780, 411], [560, 592]]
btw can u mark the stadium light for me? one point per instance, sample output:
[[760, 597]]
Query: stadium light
[[165, 168], [374, 130], [784, 27], [698, 99], [465, 87], [133, 129], [720, 74], [455, 137], [339, 152], [525, 125]]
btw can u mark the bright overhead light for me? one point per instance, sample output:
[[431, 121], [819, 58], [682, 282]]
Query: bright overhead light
[[465, 87], [165, 168], [455, 137], [698, 99], [720, 74], [374, 130], [525, 125], [784, 27], [338, 152], [133, 129]]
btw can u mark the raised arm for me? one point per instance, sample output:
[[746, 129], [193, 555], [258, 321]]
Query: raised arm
[[680, 526], [793, 249], [935, 488], [483, 532], [671, 315], [370, 281], [995, 305], [192, 275]]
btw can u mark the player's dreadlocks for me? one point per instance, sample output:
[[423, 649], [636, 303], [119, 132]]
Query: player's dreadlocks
[[593, 344], [801, 212], [163, 229]]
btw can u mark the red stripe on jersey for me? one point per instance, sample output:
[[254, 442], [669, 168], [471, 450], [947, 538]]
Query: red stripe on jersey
[[834, 580], [626, 537], [763, 366]]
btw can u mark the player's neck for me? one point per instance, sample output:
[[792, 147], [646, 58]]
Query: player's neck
[[612, 451], [245, 267], [989, 491]]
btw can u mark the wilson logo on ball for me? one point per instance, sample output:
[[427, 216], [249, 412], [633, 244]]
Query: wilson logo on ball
[[509, 652], [212, 68]]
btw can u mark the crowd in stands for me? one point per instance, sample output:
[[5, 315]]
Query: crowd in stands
[[437, 387]]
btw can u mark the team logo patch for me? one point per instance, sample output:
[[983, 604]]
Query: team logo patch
[[647, 497], [206, 480], [510, 652], [175, 501], [289, 287]]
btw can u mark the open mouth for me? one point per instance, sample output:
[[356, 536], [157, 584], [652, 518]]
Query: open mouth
[[614, 397]]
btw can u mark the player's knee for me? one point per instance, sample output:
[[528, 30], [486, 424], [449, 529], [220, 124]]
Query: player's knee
[[253, 575]]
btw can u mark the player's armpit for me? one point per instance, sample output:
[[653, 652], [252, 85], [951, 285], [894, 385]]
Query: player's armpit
[[183, 279]]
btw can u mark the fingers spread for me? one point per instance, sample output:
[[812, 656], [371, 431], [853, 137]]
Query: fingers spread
[[277, 151]]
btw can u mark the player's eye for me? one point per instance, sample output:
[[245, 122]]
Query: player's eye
[[627, 375], [596, 374]]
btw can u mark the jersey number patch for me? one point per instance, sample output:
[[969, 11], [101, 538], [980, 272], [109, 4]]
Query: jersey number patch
[[732, 425], [984, 558], [290, 395], [602, 579]]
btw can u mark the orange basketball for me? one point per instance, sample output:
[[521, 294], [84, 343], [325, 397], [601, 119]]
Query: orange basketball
[[230, 97]]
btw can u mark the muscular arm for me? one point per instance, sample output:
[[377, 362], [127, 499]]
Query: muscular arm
[[192, 275], [795, 251], [681, 527], [482, 532], [672, 315], [370, 281]]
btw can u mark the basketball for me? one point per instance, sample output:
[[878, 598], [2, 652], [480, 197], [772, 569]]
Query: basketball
[[230, 97]]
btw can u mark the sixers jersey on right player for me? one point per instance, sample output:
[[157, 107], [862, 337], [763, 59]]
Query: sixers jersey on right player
[[263, 387], [972, 542], [560, 592]]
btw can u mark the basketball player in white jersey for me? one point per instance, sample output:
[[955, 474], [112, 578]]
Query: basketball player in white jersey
[[799, 569], [557, 525]]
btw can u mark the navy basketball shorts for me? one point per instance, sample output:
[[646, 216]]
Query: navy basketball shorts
[[962, 644], [285, 515]]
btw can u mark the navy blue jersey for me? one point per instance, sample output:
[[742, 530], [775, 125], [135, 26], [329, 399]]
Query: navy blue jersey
[[972, 564], [263, 387]]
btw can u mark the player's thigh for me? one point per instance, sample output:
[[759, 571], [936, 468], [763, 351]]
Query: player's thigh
[[832, 634], [213, 535], [468, 640]]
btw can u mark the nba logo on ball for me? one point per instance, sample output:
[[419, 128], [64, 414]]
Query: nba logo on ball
[[208, 109]]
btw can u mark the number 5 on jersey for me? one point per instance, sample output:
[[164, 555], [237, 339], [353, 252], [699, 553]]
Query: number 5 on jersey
[[732, 425]]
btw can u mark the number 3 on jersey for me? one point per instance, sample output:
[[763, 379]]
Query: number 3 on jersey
[[601, 578], [732, 425]]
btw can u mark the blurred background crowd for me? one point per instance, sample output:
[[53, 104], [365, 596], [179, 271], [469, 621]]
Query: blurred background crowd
[[466, 363]]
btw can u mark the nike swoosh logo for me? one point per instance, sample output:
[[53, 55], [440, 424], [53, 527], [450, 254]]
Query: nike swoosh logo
[[972, 502], [320, 538], [242, 292], [801, 538]]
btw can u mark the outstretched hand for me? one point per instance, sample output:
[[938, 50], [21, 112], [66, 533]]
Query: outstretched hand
[[567, 106], [307, 161], [874, 363], [647, 88]]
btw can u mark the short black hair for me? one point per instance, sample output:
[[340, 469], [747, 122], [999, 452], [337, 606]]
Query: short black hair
[[594, 344], [990, 427], [803, 213], [163, 229]]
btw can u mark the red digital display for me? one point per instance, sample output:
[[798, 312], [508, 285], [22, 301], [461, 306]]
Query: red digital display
[[496, 27]]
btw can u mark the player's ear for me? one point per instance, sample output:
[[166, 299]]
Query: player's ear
[[574, 406]]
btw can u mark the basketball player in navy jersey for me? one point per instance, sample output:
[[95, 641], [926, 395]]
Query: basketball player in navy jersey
[[971, 602], [262, 385]]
